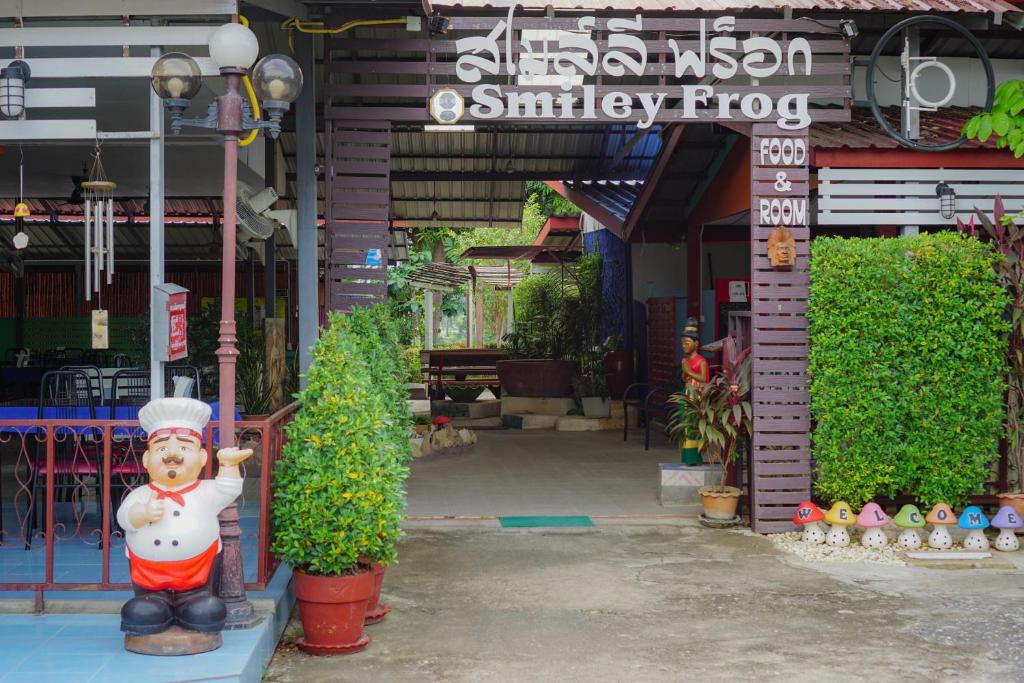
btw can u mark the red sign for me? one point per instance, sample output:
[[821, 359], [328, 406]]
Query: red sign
[[177, 327]]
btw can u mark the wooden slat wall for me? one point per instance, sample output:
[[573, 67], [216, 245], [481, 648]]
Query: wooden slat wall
[[906, 196], [358, 207], [781, 476]]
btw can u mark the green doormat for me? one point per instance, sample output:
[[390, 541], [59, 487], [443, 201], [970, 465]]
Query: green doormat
[[541, 521]]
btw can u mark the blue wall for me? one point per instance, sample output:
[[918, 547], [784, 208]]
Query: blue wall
[[613, 279]]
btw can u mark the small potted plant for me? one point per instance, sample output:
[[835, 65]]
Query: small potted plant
[[592, 390], [339, 496], [720, 414]]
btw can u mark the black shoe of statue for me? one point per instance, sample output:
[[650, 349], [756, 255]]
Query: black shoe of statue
[[203, 612], [145, 615]]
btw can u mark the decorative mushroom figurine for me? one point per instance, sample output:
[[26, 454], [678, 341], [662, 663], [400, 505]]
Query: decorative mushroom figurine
[[839, 516], [808, 514], [1007, 520], [940, 517], [975, 521], [872, 518], [910, 520]]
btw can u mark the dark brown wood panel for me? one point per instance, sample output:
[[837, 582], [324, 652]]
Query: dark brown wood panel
[[358, 204], [781, 476]]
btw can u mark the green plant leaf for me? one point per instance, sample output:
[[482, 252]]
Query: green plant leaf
[[1000, 123], [985, 127]]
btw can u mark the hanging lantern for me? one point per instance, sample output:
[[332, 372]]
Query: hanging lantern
[[99, 226], [21, 210]]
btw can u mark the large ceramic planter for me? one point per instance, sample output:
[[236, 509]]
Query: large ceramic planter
[[596, 407], [333, 611], [536, 378], [1014, 500], [377, 610], [618, 367], [719, 503]]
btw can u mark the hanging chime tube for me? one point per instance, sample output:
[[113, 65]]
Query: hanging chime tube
[[110, 240], [97, 223], [88, 250]]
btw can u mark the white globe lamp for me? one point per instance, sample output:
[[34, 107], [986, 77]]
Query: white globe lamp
[[233, 46]]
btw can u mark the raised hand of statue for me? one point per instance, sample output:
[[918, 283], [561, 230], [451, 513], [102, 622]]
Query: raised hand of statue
[[232, 457]]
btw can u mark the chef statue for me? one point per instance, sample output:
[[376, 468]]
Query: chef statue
[[172, 535]]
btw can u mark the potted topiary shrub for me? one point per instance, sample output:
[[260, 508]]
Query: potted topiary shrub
[[339, 496], [720, 414]]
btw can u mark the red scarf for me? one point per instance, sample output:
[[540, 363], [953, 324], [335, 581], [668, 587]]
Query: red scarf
[[177, 496]]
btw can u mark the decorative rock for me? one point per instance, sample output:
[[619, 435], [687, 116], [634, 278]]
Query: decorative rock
[[975, 521], [940, 517], [873, 518], [839, 516], [808, 514], [790, 543], [909, 519], [1007, 521]]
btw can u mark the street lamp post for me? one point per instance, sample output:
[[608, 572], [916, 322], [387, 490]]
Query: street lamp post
[[277, 81]]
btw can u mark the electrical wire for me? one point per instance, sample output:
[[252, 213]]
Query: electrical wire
[[253, 104], [319, 28]]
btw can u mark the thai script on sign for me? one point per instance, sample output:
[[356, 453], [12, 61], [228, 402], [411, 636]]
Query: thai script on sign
[[577, 55]]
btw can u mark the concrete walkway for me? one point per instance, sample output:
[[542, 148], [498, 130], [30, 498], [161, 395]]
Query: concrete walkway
[[673, 602], [515, 472]]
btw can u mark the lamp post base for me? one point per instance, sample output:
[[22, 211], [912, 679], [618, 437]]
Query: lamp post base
[[231, 582]]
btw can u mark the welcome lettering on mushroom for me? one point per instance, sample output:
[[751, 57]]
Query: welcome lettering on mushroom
[[719, 55]]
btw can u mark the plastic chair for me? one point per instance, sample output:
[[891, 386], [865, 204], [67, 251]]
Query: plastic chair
[[129, 391], [65, 395], [95, 380]]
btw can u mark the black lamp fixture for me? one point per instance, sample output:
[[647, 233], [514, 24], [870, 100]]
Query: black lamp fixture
[[849, 29], [438, 24], [947, 199], [13, 78]]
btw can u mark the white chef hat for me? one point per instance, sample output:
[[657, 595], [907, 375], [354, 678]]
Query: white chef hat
[[183, 416]]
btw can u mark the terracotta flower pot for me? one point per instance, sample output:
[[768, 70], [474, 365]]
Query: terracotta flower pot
[[1014, 500], [717, 503], [333, 611], [377, 610], [618, 366]]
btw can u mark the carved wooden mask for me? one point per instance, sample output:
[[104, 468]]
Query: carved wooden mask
[[781, 248]]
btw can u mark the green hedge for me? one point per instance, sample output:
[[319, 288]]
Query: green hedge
[[907, 365]]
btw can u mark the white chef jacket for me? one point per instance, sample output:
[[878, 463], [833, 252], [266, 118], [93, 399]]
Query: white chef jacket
[[185, 531]]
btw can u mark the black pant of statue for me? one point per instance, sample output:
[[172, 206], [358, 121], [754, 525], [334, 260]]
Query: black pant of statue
[[151, 612]]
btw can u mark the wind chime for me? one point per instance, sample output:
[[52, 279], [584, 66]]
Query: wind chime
[[98, 193], [99, 226]]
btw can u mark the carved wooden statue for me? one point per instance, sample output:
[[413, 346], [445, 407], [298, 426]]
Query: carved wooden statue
[[172, 535], [695, 373]]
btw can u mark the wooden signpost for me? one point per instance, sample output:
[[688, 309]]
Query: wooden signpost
[[780, 478]]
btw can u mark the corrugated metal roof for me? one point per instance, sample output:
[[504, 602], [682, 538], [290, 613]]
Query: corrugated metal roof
[[863, 131], [614, 196], [901, 6]]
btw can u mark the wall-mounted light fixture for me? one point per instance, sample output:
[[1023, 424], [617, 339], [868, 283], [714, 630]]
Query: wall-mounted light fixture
[[13, 78], [947, 199], [849, 29]]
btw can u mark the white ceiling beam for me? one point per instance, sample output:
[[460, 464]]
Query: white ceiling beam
[[28, 129], [97, 36], [39, 98], [104, 67], [115, 8]]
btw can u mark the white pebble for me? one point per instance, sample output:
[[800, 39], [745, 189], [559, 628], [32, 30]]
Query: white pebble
[[791, 543]]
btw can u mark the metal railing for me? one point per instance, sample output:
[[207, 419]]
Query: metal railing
[[100, 462]]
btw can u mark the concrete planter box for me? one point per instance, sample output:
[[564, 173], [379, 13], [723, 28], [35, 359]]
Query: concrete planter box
[[596, 407]]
